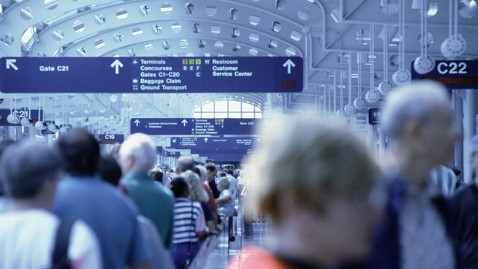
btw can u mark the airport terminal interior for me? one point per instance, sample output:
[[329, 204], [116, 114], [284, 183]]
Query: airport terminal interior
[[328, 57]]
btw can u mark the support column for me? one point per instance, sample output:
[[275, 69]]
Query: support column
[[458, 109], [469, 130]]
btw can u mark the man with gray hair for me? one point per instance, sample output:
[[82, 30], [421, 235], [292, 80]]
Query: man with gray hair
[[415, 232], [184, 164], [137, 156]]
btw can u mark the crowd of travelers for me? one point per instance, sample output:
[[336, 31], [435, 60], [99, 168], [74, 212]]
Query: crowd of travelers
[[332, 202], [120, 209]]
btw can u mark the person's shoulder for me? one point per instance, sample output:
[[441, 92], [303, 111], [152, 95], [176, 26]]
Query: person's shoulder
[[197, 205], [82, 232], [466, 191], [84, 247]]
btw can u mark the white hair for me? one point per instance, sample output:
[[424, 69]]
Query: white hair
[[142, 148], [415, 101]]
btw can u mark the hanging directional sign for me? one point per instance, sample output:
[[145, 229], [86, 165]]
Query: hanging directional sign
[[111, 138], [455, 74], [212, 144], [191, 126], [19, 113], [373, 116], [150, 74]]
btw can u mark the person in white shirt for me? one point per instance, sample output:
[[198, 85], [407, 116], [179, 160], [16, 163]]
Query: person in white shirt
[[29, 173]]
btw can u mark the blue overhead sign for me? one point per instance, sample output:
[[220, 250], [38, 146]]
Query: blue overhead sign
[[213, 144], [191, 126], [455, 74], [150, 74], [20, 113], [222, 157]]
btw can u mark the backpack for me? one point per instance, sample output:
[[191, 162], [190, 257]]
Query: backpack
[[60, 258]]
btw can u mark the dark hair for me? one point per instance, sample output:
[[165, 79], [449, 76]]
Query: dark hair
[[456, 171], [156, 174], [80, 151], [110, 170], [179, 187], [3, 145], [197, 171], [211, 167], [25, 166]]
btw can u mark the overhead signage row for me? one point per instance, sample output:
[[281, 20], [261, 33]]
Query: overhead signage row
[[150, 74]]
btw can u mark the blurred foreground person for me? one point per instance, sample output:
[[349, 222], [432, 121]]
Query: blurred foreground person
[[465, 205], [313, 177], [417, 230], [28, 228], [82, 194]]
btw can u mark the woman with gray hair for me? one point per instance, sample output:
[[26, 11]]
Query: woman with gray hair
[[313, 177]]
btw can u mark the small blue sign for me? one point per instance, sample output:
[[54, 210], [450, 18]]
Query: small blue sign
[[373, 116], [150, 74], [191, 126], [214, 144], [111, 138], [459, 74], [51, 128]]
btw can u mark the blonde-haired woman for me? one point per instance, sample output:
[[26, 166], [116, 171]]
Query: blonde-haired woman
[[313, 177], [198, 194]]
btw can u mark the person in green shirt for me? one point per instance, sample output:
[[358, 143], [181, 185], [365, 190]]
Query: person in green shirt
[[137, 156]]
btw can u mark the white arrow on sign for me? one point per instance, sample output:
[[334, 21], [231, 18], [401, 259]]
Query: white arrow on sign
[[205, 139], [116, 65], [184, 122], [289, 64], [137, 122], [10, 63]]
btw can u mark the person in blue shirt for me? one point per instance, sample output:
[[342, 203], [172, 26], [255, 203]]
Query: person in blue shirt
[[82, 194]]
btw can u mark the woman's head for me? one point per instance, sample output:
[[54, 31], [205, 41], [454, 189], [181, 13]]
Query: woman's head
[[315, 173], [197, 192]]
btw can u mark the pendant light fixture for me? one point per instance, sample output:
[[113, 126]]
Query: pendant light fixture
[[455, 44], [401, 76], [424, 63], [372, 94], [385, 86], [359, 102]]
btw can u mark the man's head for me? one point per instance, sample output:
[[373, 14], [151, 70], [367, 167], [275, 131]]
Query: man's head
[[184, 164], [137, 153], [418, 116], [211, 171], [28, 169], [80, 152]]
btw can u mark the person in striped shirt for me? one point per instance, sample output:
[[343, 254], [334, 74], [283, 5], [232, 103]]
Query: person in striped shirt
[[189, 225]]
